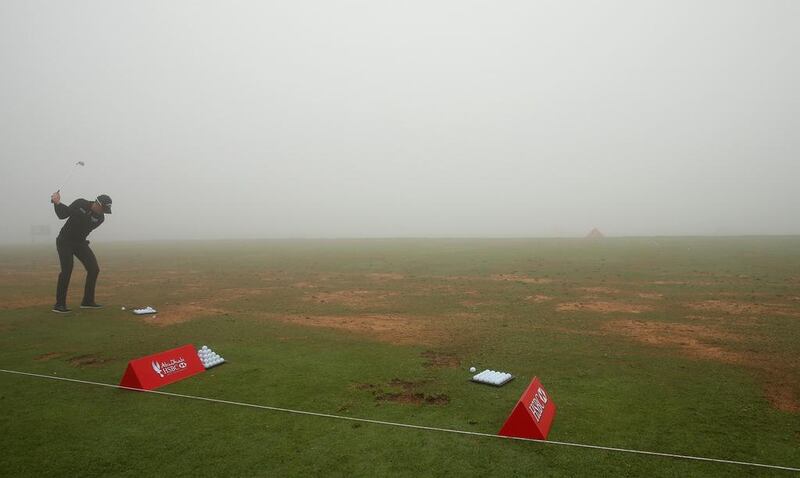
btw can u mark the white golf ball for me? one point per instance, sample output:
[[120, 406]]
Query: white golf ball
[[473, 369], [122, 308]]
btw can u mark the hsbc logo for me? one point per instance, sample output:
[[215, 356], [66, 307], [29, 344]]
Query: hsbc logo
[[538, 403], [164, 368]]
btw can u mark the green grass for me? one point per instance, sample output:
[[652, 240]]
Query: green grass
[[610, 388]]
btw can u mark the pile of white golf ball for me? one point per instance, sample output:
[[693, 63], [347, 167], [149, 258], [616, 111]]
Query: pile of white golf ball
[[209, 357], [493, 377]]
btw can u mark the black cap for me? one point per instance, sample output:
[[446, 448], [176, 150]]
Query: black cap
[[105, 201]]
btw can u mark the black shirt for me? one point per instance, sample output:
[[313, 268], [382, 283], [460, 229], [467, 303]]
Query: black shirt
[[82, 220]]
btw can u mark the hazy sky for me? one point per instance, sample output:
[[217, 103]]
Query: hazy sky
[[226, 119]]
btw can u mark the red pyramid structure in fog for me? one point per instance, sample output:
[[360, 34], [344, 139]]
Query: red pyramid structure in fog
[[594, 234]]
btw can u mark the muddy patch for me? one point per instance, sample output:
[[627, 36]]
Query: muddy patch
[[440, 360], [87, 361], [404, 392], [603, 307], [48, 356]]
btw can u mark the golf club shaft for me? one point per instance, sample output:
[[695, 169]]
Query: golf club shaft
[[68, 176]]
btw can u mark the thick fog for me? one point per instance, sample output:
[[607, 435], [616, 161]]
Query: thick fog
[[375, 118]]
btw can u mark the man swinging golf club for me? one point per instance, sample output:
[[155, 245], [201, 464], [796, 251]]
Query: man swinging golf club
[[82, 218]]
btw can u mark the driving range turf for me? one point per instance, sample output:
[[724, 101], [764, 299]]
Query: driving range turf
[[678, 345]]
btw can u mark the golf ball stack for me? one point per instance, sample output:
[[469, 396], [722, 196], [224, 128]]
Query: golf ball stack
[[209, 358], [145, 310], [493, 377]]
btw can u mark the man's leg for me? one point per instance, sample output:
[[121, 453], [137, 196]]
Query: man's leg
[[89, 261], [65, 257]]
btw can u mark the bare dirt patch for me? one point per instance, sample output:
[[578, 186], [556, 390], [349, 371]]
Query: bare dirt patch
[[178, 313], [357, 299], [304, 285], [118, 282], [386, 276], [87, 361], [440, 360], [459, 278], [777, 376], [694, 339], [395, 329], [24, 302], [170, 314], [16, 277], [476, 303], [236, 293], [48, 356], [600, 290], [683, 282], [521, 278], [725, 321], [781, 397], [573, 331], [603, 307], [744, 308], [538, 298], [443, 289]]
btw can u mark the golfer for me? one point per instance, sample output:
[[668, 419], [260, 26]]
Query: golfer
[[82, 218]]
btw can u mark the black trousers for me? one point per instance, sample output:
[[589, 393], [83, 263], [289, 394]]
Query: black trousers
[[84, 254]]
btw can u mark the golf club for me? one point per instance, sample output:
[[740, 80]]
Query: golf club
[[69, 174]]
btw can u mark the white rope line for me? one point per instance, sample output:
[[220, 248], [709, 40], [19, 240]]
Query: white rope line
[[408, 425]]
